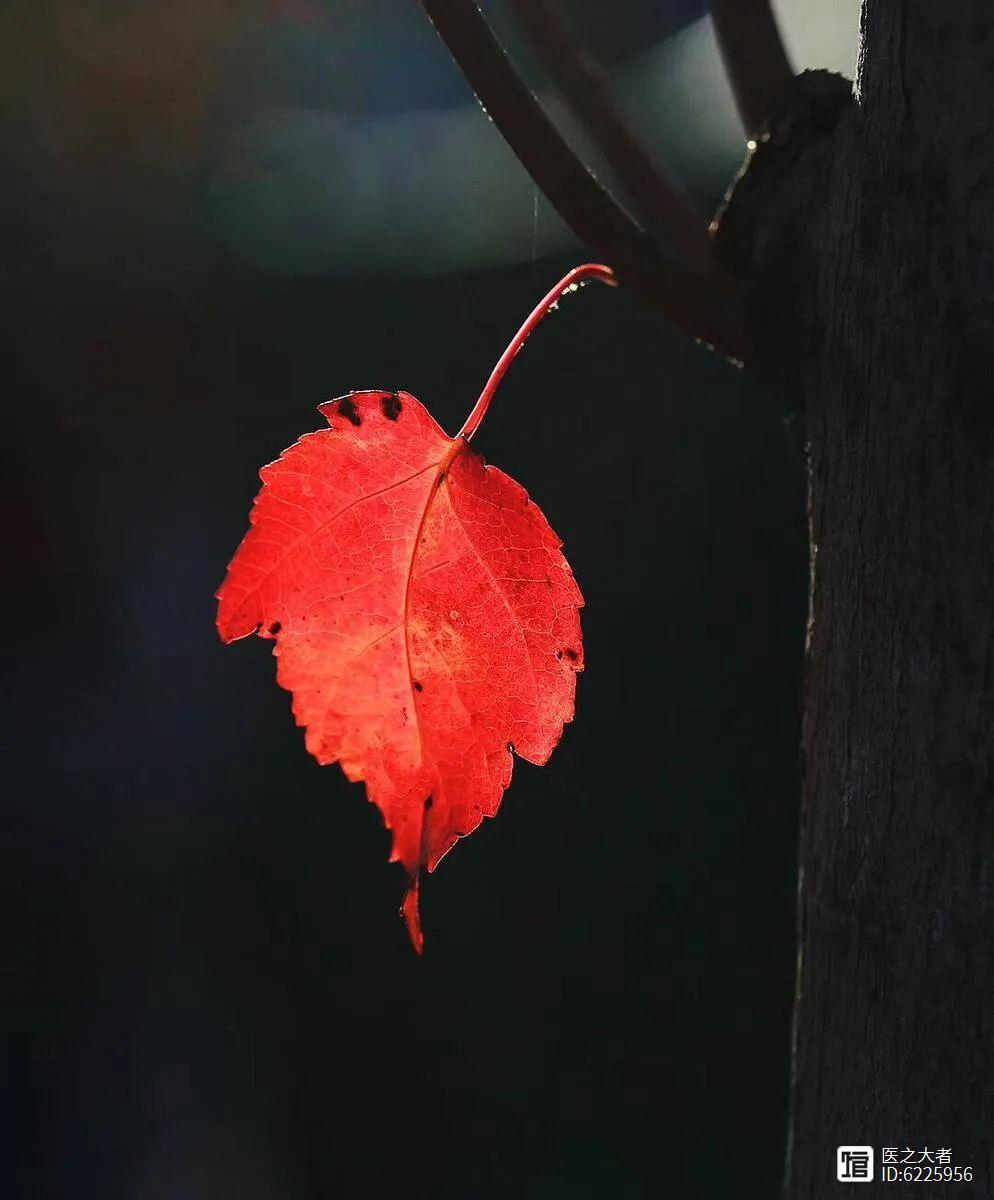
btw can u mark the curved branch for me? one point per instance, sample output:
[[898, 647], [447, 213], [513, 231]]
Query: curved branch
[[708, 307], [756, 62], [584, 85]]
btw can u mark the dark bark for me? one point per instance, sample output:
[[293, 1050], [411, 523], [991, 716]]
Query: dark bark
[[893, 312]]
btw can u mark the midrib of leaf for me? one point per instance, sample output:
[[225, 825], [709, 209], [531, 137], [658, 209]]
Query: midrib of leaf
[[443, 465]]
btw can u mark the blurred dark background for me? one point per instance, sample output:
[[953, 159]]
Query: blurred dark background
[[215, 216]]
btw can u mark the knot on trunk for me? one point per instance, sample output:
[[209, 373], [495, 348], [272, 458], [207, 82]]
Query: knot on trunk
[[763, 230]]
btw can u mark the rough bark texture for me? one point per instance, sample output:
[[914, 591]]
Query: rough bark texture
[[892, 284]]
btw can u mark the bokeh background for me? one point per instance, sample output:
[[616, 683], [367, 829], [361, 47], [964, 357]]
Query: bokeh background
[[216, 215]]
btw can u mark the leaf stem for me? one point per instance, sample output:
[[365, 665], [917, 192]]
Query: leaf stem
[[569, 283]]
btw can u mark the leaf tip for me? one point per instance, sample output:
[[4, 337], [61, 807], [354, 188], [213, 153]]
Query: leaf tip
[[410, 912]]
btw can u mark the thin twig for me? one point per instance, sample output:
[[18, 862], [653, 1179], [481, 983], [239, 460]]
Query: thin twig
[[708, 307], [754, 56], [584, 86]]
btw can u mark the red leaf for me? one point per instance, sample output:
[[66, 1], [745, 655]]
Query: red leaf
[[425, 619]]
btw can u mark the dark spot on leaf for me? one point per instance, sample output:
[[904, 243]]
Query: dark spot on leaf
[[428, 803], [275, 628], [391, 406], [570, 654], [510, 746], [418, 687], [346, 406]]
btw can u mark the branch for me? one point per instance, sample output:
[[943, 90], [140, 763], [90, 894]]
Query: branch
[[754, 56], [708, 307], [583, 84]]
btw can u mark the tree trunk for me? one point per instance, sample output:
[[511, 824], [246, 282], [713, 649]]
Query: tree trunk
[[895, 995]]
